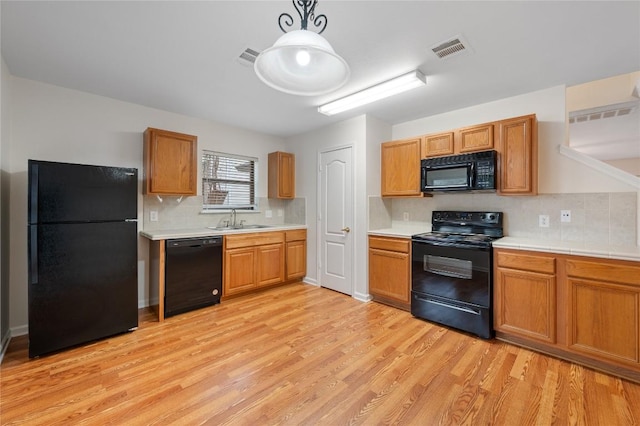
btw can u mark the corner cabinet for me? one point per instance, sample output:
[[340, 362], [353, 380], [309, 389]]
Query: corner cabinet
[[400, 168], [579, 308], [282, 175], [170, 163], [390, 271], [518, 149]]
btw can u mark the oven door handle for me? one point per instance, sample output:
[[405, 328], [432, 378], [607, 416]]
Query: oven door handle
[[446, 305]]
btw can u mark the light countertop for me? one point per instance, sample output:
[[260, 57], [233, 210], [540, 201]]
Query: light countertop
[[518, 243], [402, 231], [566, 247], [168, 234]]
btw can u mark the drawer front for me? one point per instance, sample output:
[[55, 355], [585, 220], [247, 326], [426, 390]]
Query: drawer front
[[526, 262], [392, 244], [296, 235], [604, 271], [253, 239]]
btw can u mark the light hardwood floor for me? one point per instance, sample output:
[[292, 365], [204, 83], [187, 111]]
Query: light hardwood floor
[[305, 355]]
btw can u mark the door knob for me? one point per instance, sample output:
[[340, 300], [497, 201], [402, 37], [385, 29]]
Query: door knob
[[347, 229]]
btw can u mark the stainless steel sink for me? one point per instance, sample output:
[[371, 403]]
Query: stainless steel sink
[[237, 227]]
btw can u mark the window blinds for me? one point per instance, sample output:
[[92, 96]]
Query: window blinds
[[228, 181]]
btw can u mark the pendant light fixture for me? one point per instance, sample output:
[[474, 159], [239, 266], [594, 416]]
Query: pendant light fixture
[[302, 62]]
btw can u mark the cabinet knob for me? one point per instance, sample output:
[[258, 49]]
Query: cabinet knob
[[347, 229]]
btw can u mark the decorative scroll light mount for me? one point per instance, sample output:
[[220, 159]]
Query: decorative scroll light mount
[[302, 62]]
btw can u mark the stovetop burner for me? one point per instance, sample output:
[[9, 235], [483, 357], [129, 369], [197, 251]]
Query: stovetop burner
[[473, 229]]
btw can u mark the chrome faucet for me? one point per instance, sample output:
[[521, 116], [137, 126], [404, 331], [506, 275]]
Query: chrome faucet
[[233, 218]]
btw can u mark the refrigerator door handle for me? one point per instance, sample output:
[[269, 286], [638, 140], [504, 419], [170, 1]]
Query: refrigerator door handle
[[33, 258], [131, 220], [33, 194]]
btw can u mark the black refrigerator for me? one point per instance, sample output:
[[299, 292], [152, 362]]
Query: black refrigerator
[[83, 263]]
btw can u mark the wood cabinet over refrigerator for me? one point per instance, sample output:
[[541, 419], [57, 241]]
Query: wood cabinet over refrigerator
[[170, 163], [282, 175]]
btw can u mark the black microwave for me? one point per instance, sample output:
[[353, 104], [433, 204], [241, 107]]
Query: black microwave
[[465, 172]]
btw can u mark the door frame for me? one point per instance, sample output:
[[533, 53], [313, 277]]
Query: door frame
[[319, 217]]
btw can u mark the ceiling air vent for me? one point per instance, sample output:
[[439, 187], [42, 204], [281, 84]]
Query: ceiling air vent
[[248, 57], [607, 111], [453, 47]]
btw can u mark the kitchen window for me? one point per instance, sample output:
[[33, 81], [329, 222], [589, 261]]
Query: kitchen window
[[228, 181]]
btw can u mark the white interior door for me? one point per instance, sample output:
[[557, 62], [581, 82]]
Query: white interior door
[[336, 220]]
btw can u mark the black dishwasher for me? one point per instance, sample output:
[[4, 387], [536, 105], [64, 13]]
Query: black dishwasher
[[193, 274]]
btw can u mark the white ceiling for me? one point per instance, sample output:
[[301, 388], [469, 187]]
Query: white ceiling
[[181, 56]]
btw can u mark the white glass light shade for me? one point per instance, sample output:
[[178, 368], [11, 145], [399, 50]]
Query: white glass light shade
[[302, 62], [374, 93]]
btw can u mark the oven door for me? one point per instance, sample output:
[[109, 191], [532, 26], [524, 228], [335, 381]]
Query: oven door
[[454, 273], [452, 286], [450, 177]]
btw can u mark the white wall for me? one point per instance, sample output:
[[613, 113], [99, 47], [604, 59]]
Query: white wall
[[4, 206], [56, 124], [556, 173], [307, 148]]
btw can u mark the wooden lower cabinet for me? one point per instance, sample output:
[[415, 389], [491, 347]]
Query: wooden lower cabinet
[[296, 242], [252, 261], [239, 270], [390, 270], [604, 310], [583, 309], [525, 295]]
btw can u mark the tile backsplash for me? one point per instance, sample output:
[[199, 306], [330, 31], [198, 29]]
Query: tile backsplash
[[607, 218], [187, 214]]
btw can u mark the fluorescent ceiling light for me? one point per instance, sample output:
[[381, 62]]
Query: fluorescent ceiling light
[[383, 90]]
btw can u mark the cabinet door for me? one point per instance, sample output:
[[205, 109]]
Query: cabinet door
[[270, 264], [476, 138], [400, 168], [239, 270], [282, 171], [525, 304], [604, 309], [518, 149], [170, 163], [296, 259], [436, 145], [604, 320], [389, 275]]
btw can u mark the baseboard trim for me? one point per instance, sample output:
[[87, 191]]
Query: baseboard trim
[[4, 344]]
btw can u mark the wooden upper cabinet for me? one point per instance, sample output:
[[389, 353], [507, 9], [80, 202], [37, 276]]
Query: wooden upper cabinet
[[282, 175], [400, 168], [170, 163], [518, 148], [475, 138], [437, 145]]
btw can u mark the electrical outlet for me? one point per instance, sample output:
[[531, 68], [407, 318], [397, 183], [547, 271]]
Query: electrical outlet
[[543, 221], [405, 216], [565, 215], [153, 216], [280, 212], [268, 213]]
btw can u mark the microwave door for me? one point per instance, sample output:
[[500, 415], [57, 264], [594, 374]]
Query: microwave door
[[448, 177]]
